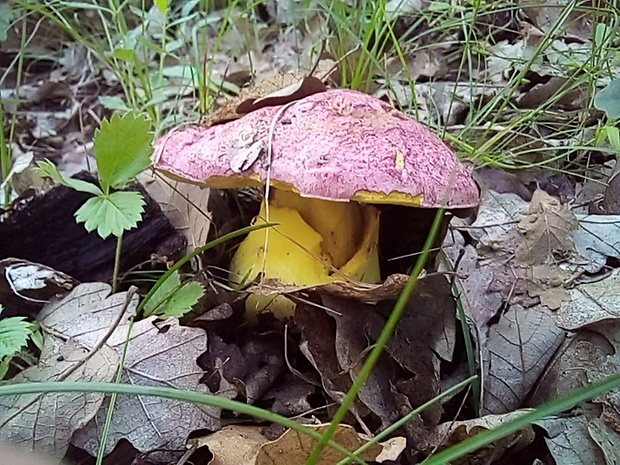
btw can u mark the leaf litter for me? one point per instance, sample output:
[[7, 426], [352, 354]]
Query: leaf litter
[[522, 267]]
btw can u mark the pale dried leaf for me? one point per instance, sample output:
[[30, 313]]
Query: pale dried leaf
[[519, 347], [591, 303], [453, 432], [547, 229], [495, 227], [26, 420], [153, 358], [607, 439], [546, 14], [569, 442], [232, 445], [547, 283], [597, 238], [363, 292], [589, 356], [185, 205]]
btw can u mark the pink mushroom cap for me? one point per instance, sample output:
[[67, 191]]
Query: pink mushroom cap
[[338, 145]]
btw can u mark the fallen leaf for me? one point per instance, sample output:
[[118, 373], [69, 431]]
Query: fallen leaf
[[569, 441], [277, 90], [453, 432], [25, 420], [547, 229], [547, 283], [607, 439], [185, 205], [362, 292], [153, 357], [232, 445], [596, 239], [295, 447], [591, 303], [495, 226], [516, 354]]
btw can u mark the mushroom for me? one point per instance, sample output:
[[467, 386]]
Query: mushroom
[[328, 160]]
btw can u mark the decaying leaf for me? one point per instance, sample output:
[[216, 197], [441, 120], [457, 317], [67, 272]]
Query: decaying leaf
[[236, 444], [495, 226], [591, 303], [25, 420], [607, 439], [597, 238], [589, 355], [232, 445], [184, 204], [569, 441], [92, 319], [362, 292], [247, 370], [547, 229], [519, 348], [277, 90], [547, 283], [453, 432], [337, 333], [295, 447]]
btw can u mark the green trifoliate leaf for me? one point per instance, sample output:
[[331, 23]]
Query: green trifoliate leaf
[[608, 99], [173, 298], [111, 214], [14, 334], [47, 168], [123, 149]]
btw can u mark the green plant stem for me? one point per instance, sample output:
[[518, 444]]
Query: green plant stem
[[110, 413], [551, 408], [469, 344], [174, 394], [382, 341], [404, 420], [5, 159], [117, 263]]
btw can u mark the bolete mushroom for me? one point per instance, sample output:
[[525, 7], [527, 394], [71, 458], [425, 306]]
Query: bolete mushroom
[[328, 158]]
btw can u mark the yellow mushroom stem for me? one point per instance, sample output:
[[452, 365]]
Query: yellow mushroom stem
[[316, 242]]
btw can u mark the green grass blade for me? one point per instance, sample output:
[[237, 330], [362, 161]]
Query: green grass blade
[[174, 394], [550, 408]]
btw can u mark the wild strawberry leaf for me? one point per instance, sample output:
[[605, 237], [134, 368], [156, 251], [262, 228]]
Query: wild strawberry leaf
[[123, 147], [14, 334], [111, 214], [48, 169], [173, 298]]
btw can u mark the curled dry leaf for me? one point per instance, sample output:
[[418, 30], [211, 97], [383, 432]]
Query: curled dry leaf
[[277, 90], [363, 292], [596, 239], [236, 444], [590, 355], [591, 303]]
